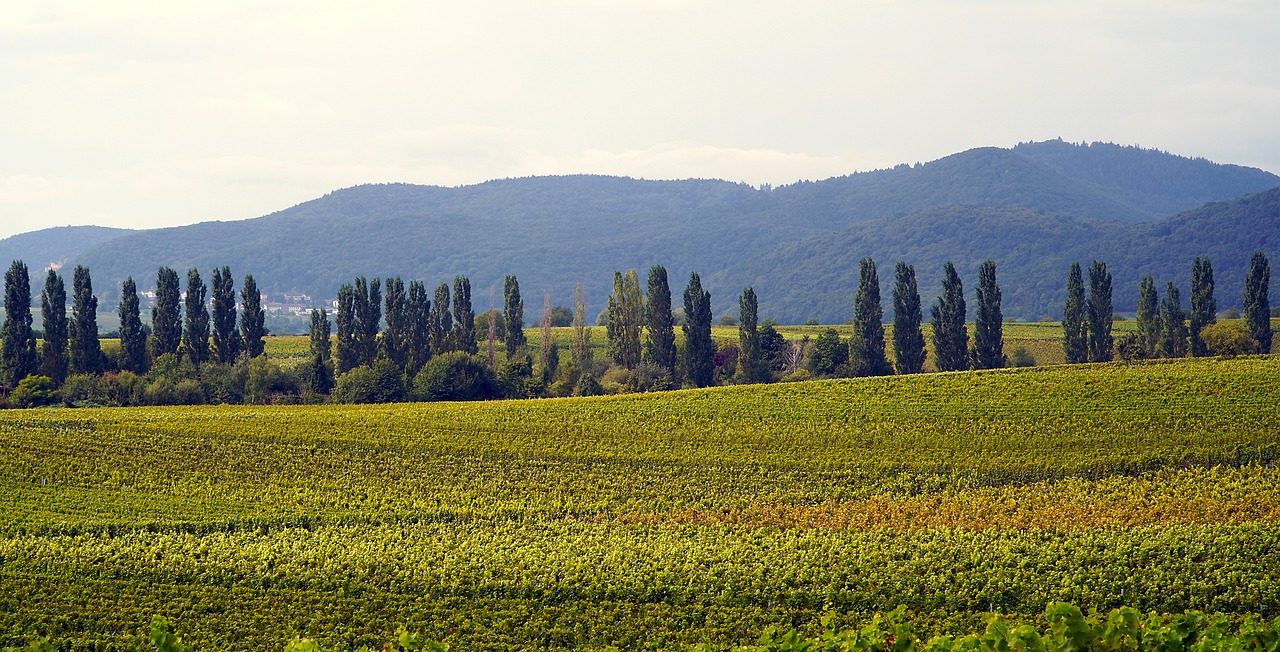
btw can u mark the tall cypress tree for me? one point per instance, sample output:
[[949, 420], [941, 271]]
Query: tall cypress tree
[[464, 317], [950, 339], [513, 315], [86, 352], [1173, 339], [751, 365], [53, 310], [345, 356], [660, 336], [321, 376], [699, 350], [440, 321], [395, 338], [626, 318], [195, 326], [18, 351], [226, 336], [1148, 317], [166, 315], [253, 318], [1257, 303], [988, 324], [866, 347], [368, 319], [133, 342], [908, 339], [418, 317], [1075, 327], [1100, 314], [1204, 308]]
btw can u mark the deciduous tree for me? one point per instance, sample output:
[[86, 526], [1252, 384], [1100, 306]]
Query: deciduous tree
[[751, 365], [1173, 340], [1204, 308], [626, 318], [1257, 307], [226, 336], [866, 346], [1075, 326], [86, 352], [1148, 317], [195, 327], [1100, 314], [908, 339], [166, 315], [988, 324], [133, 342], [53, 311], [464, 317], [699, 351], [513, 316], [441, 321], [660, 336], [950, 339], [18, 351], [253, 318]]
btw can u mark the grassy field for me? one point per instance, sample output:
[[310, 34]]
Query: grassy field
[[648, 521]]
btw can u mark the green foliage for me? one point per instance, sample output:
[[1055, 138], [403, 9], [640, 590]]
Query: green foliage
[[866, 347], [53, 311], [908, 339], [950, 339], [752, 367], [1099, 312], [367, 318], [195, 327], [166, 319], [34, 391], [988, 326], [588, 386], [1204, 308], [383, 382], [1228, 339], [394, 340], [828, 355], [625, 319], [345, 356], [133, 341], [512, 316], [660, 334], [226, 336], [440, 321], [455, 376], [699, 350], [267, 382], [1256, 301], [1148, 318], [1173, 337], [17, 341], [1021, 358], [464, 317], [252, 318]]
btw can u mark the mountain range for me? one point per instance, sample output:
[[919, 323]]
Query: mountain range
[[1033, 208]]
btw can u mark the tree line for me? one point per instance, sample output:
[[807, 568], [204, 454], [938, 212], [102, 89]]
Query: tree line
[[1164, 329], [389, 340]]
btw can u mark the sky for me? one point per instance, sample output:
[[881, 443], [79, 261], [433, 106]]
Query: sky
[[149, 114]]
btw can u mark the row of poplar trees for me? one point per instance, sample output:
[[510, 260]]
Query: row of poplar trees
[[1163, 328], [206, 331]]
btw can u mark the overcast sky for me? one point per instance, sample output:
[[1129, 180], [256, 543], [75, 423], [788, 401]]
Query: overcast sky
[[144, 114]]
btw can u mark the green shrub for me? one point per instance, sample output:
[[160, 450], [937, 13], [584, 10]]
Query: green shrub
[[381, 383], [34, 391], [455, 376]]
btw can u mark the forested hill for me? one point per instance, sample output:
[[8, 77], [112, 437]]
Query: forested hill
[[54, 246], [1042, 202]]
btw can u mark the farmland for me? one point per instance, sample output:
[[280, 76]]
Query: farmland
[[648, 521]]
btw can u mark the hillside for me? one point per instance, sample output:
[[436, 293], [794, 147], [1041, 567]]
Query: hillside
[[57, 245], [796, 244]]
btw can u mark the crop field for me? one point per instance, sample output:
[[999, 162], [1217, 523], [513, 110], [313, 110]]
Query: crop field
[[648, 521]]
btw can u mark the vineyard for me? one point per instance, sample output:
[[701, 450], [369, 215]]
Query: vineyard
[[648, 521]]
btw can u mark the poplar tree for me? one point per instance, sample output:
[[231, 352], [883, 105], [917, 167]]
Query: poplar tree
[[950, 340], [751, 365], [1173, 340], [86, 352], [548, 350], [581, 351], [513, 316], [253, 318], [53, 311], [321, 376], [166, 315], [195, 330], [908, 339], [418, 343], [18, 350], [1075, 328], [1257, 306], [1099, 312], [1148, 318], [440, 321], [133, 342], [1204, 308], [345, 357], [368, 318], [464, 317], [866, 346], [226, 336], [699, 349], [625, 319], [660, 336], [394, 341], [988, 324]]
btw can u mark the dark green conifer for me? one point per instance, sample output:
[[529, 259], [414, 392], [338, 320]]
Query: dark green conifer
[[53, 310], [133, 341], [166, 314], [700, 350], [988, 324], [1257, 306], [660, 338], [866, 346], [950, 339]]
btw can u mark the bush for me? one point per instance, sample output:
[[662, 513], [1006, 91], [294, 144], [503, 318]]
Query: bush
[[81, 390], [796, 376], [455, 376], [727, 320], [267, 382], [224, 383], [649, 377], [1230, 313], [516, 379], [381, 383], [1228, 339], [615, 380], [827, 354], [588, 386], [34, 391], [1021, 358]]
